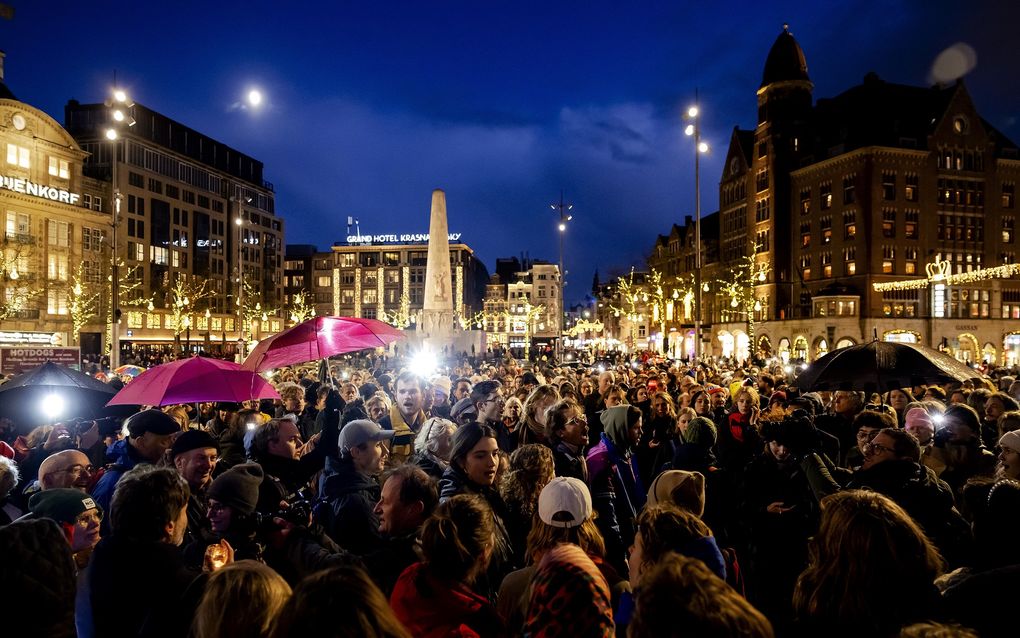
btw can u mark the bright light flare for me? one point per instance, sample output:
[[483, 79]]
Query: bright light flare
[[703, 147], [563, 227], [52, 406], [119, 95], [111, 134], [255, 98], [689, 130], [118, 115], [692, 112], [424, 364]]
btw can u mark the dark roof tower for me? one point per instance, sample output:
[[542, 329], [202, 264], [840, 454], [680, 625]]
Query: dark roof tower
[[786, 62]]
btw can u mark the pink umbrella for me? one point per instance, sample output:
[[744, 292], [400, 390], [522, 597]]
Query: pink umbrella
[[318, 338], [192, 381]]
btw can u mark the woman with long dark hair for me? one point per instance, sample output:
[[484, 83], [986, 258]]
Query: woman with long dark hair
[[474, 461]]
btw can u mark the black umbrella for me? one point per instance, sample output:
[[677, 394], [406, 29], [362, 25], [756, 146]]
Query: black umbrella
[[26, 399], [880, 366]]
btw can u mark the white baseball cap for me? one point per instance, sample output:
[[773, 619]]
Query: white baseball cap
[[564, 502]]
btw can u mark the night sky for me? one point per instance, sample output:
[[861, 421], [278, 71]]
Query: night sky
[[371, 105]]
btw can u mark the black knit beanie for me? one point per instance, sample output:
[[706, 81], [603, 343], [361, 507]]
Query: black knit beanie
[[238, 487]]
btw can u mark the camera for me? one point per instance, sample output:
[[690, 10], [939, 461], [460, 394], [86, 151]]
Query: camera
[[298, 511]]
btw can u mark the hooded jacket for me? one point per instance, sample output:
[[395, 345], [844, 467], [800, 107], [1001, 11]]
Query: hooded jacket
[[616, 490]]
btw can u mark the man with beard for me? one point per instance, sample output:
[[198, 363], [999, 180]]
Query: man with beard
[[195, 454], [406, 416], [960, 442]]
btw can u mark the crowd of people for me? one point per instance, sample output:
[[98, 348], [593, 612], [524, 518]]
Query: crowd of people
[[647, 499]]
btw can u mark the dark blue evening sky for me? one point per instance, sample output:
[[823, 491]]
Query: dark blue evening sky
[[371, 105]]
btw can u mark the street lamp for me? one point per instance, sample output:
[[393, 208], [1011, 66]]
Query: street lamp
[[117, 106], [239, 297], [694, 129], [565, 216]]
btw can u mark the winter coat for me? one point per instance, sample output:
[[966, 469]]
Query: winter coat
[[430, 607], [349, 516], [928, 500], [153, 576], [570, 463], [284, 477], [38, 576], [455, 482], [428, 464], [616, 495], [125, 458], [738, 443]]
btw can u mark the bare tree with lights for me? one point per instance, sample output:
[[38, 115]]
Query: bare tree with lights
[[182, 297], [401, 317], [740, 288], [301, 308], [20, 285], [84, 300]]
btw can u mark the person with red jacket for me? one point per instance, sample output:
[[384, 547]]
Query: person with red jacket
[[434, 598]]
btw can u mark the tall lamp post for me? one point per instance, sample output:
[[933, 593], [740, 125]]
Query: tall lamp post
[[565, 216], [694, 129], [117, 106], [239, 222]]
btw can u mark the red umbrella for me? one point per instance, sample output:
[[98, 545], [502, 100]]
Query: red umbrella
[[194, 380], [319, 338]]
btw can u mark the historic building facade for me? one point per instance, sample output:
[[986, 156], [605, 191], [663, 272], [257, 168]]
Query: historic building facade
[[383, 277], [56, 227], [522, 304], [886, 211]]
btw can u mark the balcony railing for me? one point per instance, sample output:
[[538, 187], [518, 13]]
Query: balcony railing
[[32, 313], [18, 238]]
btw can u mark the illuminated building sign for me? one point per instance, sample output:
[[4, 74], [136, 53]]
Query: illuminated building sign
[[30, 338], [27, 187], [407, 238]]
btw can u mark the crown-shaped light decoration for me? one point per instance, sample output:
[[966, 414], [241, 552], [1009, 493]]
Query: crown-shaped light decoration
[[938, 269]]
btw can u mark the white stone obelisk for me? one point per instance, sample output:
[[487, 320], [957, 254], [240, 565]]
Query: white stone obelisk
[[437, 313]]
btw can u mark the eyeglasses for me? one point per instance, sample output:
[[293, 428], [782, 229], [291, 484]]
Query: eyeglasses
[[87, 518], [865, 435], [78, 468], [875, 448], [496, 399], [578, 420]]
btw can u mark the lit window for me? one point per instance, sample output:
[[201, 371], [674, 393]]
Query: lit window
[[59, 168], [887, 267], [18, 156], [851, 267]]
